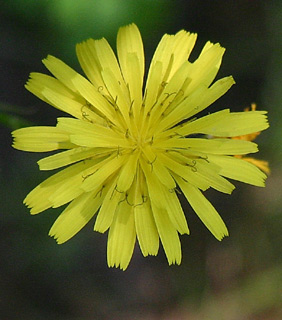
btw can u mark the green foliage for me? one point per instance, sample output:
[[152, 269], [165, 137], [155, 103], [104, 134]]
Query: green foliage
[[12, 121]]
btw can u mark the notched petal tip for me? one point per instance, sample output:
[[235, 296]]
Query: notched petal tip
[[223, 235], [57, 238], [117, 266], [175, 260]]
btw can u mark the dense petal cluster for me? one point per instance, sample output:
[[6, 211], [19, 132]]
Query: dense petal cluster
[[129, 146]]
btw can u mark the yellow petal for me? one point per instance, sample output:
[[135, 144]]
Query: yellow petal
[[236, 124], [175, 212], [165, 198], [168, 235], [146, 230], [120, 97], [188, 172], [90, 135], [204, 209], [200, 125], [239, 169], [61, 71], [75, 217], [159, 169], [172, 94], [153, 184], [182, 46], [135, 84], [202, 168], [205, 68], [40, 139], [71, 188], [106, 168], [163, 54], [172, 51], [67, 157], [183, 110], [218, 89], [89, 62], [38, 81], [198, 100], [131, 58], [152, 90], [122, 237], [67, 192], [64, 103], [163, 174], [208, 172], [128, 172], [94, 97], [214, 146], [107, 58], [174, 88], [38, 198], [73, 126], [111, 201], [92, 140]]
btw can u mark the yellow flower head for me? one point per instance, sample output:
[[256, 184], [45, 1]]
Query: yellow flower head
[[261, 164], [129, 146]]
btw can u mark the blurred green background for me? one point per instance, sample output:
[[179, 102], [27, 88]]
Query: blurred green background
[[237, 279]]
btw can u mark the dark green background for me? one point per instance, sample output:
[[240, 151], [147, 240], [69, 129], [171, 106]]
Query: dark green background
[[237, 279]]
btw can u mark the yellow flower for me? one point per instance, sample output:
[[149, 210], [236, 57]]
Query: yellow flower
[[261, 164], [129, 148]]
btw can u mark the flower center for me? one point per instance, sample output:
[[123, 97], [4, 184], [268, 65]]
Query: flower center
[[140, 143]]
